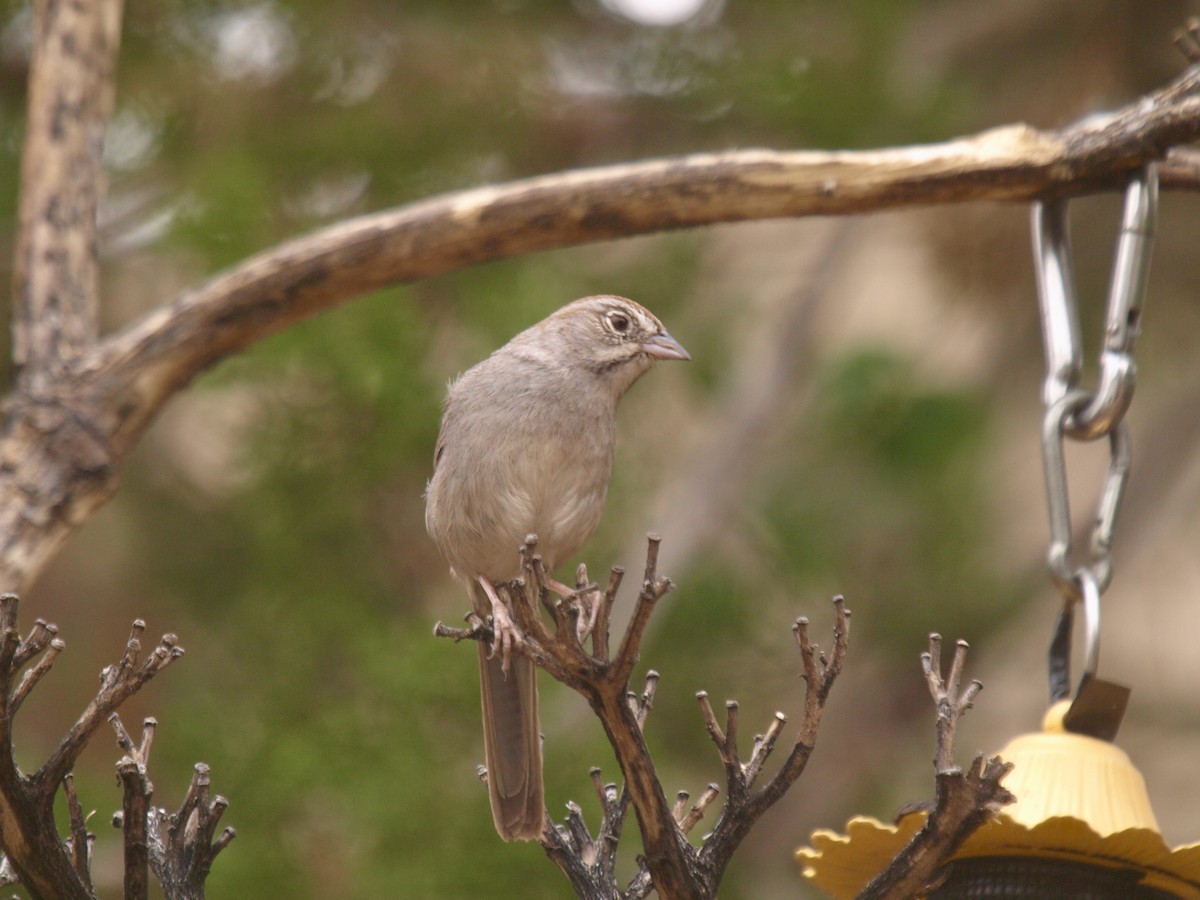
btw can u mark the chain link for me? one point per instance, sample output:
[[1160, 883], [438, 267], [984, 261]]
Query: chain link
[[1087, 415], [1055, 430]]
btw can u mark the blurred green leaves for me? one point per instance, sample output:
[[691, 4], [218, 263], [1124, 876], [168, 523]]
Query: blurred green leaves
[[891, 495]]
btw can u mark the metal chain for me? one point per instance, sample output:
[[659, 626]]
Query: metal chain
[[1087, 415]]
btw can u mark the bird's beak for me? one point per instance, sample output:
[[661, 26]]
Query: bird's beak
[[663, 346]]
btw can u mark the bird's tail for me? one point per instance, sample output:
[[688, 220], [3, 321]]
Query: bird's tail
[[513, 745]]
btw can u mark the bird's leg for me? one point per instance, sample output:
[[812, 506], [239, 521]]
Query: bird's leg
[[506, 636]]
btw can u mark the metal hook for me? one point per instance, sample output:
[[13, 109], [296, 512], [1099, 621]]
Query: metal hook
[[1098, 705], [1123, 324], [1087, 593], [1058, 305], [1090, 592]]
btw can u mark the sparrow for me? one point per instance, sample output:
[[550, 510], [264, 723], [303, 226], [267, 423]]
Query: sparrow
[[526, 447]]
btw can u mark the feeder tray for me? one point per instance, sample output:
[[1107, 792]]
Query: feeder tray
[[1082, 827]]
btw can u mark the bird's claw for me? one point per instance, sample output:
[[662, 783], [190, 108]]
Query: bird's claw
[[588, 601], [585, 597], [506, 635]]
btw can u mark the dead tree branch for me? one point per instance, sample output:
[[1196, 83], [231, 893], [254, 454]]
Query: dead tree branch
[[35, 855], [442, 234], [281, 286], [137, 792], [182, 856], [746, 803], [45, 864], [590, 862], [53, 449], [80, 842], [83, 403], [963, 800], [55, 271], [178, 847], [671, 865]]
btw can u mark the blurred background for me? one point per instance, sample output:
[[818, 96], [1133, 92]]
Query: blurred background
[[861, 416]]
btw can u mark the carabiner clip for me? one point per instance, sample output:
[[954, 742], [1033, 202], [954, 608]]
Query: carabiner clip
[[1057, 301], [1123, 324]]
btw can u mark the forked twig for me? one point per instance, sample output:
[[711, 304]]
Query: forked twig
[[747, 801], [118, 683], [45, 864], [192, 842], [963, 800], [588, 861], [671, 865]]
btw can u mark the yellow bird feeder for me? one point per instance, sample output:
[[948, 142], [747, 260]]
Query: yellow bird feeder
[[1082, 827]]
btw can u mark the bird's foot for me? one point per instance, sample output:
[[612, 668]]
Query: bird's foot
[[588, 601], [586, 596], [506, 635]]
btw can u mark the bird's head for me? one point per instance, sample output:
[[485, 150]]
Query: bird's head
[[612, 337]]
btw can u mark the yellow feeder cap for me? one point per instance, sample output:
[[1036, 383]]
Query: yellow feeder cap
[[1078, 798], [1058, 773]]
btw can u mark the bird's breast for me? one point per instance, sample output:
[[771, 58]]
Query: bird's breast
[[549, 481]]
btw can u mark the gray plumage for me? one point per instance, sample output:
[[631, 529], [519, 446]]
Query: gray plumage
[[526, 447]]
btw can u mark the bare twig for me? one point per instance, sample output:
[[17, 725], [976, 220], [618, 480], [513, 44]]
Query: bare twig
[[32, 676], [605, 685], [80, 841], [671, 865], [950, 704], [137, 794], [653, 590], [40, 636], [476, 630], [41, 861], [183, 861], [46, 865], [118, 683], [604, 614], [963, 800], [696, 813], [590, 862], [179, 848], [745, 804], [726, 742]]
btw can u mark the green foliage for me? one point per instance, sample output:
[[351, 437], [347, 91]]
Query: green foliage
[[892, 498]]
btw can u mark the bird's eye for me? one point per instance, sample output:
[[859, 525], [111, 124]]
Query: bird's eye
[[619, 322]]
